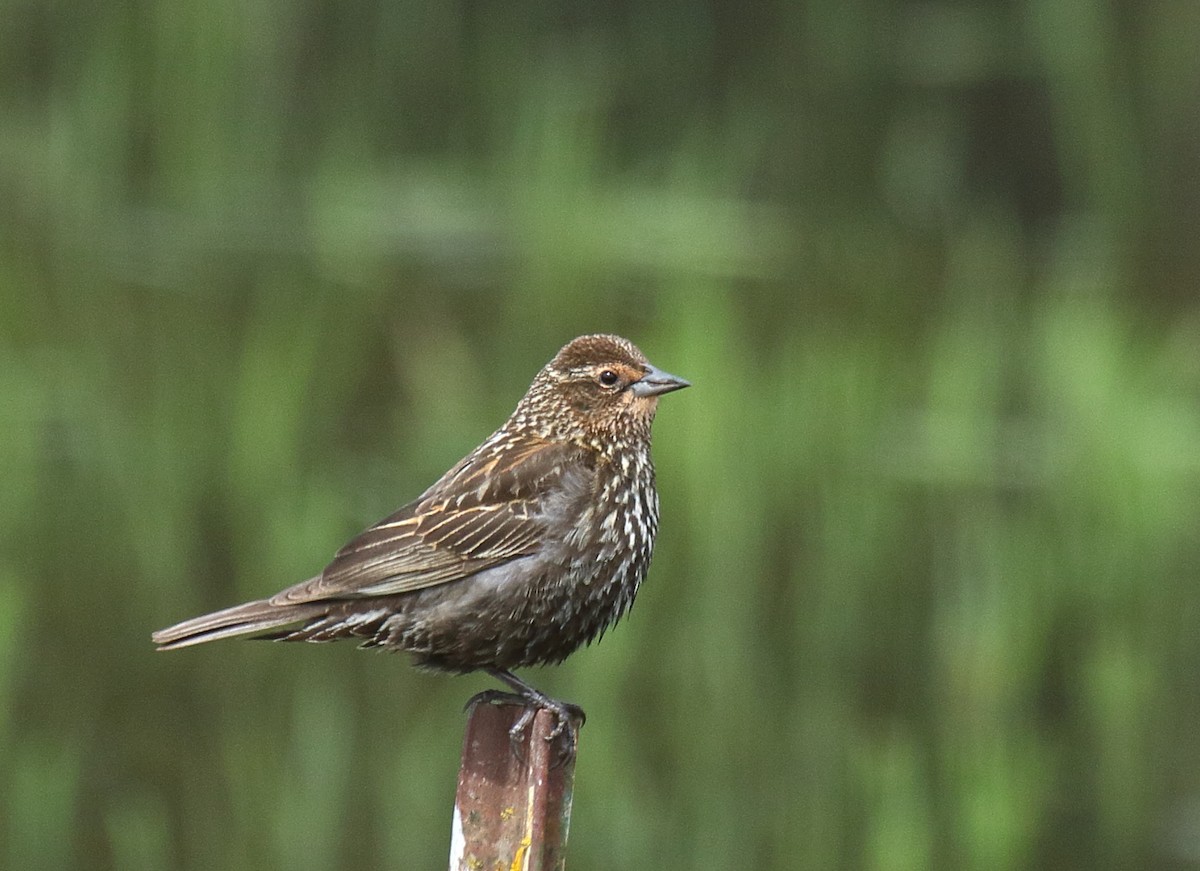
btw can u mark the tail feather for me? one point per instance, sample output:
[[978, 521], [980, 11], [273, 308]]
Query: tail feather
[[251, 618]]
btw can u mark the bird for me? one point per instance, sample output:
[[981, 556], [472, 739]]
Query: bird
[[528, 548]]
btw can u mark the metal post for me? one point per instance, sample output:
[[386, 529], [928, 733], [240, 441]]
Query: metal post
[[512, 811]]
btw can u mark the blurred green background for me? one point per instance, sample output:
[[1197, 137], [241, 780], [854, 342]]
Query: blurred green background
[[925, 594]]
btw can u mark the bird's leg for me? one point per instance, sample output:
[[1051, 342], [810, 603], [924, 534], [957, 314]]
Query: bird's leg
[[530, 698]]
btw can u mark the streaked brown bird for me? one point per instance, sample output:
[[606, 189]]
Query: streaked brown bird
[[528, 548]]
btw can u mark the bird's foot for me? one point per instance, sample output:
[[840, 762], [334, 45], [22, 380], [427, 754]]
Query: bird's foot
[[568, 718], [564, 735]]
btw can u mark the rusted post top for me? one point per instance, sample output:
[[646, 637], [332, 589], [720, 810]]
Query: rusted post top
[[511, 812]]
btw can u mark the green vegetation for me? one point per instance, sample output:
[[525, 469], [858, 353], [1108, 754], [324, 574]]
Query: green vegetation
[[926, 589]]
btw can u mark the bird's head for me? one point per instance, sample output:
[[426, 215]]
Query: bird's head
[[600, 389]]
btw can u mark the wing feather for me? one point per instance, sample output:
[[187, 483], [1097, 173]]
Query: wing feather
[[487, 510]]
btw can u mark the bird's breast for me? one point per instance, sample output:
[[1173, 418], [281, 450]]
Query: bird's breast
[[604, 553]]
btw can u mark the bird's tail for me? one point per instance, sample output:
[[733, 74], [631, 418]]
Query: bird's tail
[[251, 618]]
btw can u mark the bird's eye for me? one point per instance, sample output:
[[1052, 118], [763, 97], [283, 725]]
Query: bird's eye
[[609, 378]]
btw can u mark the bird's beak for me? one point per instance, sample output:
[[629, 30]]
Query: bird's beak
[[656, 382]]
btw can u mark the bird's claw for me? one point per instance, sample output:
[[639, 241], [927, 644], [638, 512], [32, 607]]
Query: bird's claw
[[565, 714], [568, 718]]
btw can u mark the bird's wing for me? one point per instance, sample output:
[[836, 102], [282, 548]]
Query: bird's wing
[[489, 509]]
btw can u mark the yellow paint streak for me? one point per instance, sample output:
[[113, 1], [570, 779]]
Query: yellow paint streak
[[521, 860]]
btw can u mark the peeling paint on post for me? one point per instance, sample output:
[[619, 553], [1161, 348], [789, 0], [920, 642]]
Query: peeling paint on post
[[511, 813]]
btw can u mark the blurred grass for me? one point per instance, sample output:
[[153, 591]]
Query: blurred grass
[[925, 591]]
